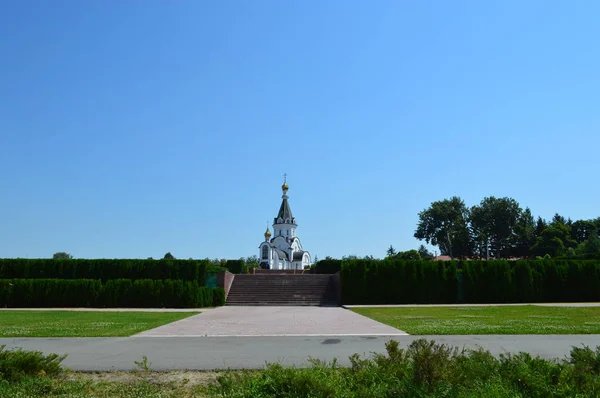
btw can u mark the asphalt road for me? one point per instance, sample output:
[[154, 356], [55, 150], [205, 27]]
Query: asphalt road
[[209, 353]]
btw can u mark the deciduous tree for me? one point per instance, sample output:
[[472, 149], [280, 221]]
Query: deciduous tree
[[493, 222], [525, 236], [444, 224], [169, 256], [61, 255], [553, 241], [590, 248], [582, 229], [408, 255]]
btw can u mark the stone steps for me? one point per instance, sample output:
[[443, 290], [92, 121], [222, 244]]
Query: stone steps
[[282, 289]]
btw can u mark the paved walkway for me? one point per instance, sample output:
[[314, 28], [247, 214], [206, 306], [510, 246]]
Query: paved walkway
[[210, 353], [275, 321]]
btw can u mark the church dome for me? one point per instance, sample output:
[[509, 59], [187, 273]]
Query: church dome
[[267, 233], [284, 187]]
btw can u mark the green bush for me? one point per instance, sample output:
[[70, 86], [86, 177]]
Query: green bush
[[17, 364], [218, 297], [104, 269], [50, 292], [236, 266], [327, 266], [116, 293]]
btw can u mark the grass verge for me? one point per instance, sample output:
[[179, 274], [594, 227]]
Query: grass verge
[[82, 323], [423, 369], [526, 319]]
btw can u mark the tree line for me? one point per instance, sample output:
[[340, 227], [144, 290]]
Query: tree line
[[499, 228]]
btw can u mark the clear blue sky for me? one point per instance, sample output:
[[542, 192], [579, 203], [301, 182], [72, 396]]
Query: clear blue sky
[[129, 129]]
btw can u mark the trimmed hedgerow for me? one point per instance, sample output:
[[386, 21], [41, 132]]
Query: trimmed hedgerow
[[104, 269], [236, 266], [114, 293], [393, 281], [327, 266]]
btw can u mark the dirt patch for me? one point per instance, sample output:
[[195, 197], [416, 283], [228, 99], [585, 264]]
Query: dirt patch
[[178, 378]]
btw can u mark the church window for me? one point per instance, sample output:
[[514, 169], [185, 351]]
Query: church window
[[265, 252]]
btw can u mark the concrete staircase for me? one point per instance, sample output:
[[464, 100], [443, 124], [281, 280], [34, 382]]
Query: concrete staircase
[[283, 289]]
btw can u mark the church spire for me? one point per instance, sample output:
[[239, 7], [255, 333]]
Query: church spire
[[283, 249], [284, 216]]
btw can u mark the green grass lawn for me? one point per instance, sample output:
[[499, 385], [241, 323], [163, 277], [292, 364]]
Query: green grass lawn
[[82, 323], [526, 319]]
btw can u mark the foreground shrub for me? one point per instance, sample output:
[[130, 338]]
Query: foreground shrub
[[586, 367], [424, 369], [17, 364]]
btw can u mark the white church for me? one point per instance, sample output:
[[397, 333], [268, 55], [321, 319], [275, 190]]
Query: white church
[[283, 249]]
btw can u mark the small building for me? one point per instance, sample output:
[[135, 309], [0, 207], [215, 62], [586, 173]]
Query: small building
[[283, 249]]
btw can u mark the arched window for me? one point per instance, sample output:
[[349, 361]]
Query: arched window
[[265, 252]]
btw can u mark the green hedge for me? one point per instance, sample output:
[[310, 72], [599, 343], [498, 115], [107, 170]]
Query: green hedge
[[392, 281], [236, 266], [531, 281], [408, 282], [327, 266], [104, 269], [140, 293]]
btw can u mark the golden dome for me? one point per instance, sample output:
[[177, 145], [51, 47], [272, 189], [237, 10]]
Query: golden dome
[[267, 233], [284, 187]]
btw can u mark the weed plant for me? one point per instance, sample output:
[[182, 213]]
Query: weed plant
[[18, 364], [425, 369]]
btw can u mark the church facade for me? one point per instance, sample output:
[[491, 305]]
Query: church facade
[[283, 249]]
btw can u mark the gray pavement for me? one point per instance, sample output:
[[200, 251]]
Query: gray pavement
[[274, 321], [209, 353]]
